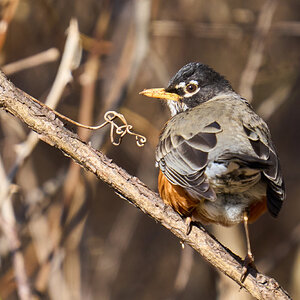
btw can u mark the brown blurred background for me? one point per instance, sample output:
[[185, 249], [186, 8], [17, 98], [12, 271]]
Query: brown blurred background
[[79, 240]]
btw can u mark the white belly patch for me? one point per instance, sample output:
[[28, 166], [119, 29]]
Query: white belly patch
[[236, 188]]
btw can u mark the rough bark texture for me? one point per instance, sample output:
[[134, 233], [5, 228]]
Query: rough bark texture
[[52, 131]]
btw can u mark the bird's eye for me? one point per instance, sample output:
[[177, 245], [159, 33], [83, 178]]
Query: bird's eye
[[191, 87]]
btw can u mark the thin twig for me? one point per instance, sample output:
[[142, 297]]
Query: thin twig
[[291, 28], [8, 225], [170, 28], [133, 190], [184, 271], [270, 105], [256, 52], [201, 30], [43, 57], [109, 262]]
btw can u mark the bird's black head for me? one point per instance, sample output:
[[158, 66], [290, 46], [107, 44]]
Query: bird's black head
[[192, 85], [196, 83]]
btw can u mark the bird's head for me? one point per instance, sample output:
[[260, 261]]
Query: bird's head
[[192, 85]]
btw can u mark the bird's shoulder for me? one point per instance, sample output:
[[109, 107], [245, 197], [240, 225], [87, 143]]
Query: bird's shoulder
[[228, 113]]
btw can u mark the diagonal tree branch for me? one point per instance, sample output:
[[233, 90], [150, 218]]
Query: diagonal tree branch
[[52, 131]]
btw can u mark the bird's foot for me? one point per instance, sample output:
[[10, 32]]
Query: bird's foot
[[248, 261]]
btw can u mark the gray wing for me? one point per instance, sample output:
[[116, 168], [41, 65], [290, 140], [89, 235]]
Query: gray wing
[[183, 159], [260, 140]]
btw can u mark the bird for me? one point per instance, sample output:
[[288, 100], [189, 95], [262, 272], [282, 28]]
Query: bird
[[217, 162]]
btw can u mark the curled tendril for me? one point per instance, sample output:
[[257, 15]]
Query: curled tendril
[[109, 118], [119, 130], [140, 139]]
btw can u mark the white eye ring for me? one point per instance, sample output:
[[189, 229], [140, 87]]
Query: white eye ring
[[191, 88]]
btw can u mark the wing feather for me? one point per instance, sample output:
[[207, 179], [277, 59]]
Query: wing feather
[[183, 160], [264, 149]]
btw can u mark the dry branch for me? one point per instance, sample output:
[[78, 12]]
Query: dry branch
[[9, 227], [257, 49], [32, 61], [53, 132]]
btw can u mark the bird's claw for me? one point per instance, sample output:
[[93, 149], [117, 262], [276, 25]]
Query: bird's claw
[[249, 260], [188, 223]]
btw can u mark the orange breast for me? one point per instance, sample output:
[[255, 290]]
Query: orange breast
[[176, 196], [182, 202], [257, 209]]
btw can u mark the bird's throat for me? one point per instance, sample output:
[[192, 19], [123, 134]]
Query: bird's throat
[[176, 107]]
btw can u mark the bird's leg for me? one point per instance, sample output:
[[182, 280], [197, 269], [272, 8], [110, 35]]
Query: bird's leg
[[249, 259]]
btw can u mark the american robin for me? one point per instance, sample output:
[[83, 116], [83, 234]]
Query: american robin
[[217, 161]]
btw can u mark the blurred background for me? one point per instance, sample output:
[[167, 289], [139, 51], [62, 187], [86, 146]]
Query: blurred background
[[69, 233]]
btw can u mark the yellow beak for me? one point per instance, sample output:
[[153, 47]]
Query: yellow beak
[[160, 94]]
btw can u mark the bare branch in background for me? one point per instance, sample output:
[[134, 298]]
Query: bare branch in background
[[52, 131], [9, 226], [178, 29], [68, 63], [75, 188], [171, 28], [23, 151], [119, 80], [35, 60], [119, 239], [274, 102], [256, 52], [109, 262], [184, 271], [291, 28]]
